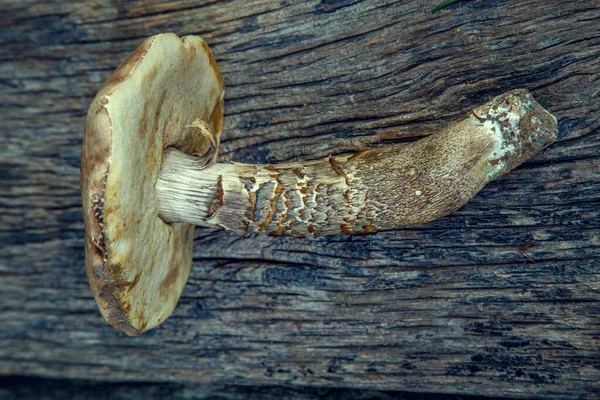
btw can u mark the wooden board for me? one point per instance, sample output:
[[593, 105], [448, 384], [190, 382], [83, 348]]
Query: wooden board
[[18, 387], [501, 298]]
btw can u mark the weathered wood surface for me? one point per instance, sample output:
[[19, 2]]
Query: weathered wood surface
[[25, 388], [455, 306]]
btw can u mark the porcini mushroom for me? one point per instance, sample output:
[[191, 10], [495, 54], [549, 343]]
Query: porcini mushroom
[[148, 175]]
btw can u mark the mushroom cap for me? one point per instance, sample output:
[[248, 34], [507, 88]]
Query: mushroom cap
[[137, 265]]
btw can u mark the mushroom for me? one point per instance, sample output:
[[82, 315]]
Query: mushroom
[[136, 264], [148, 175]]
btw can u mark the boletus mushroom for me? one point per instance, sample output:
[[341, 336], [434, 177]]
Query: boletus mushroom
[[148, 175]]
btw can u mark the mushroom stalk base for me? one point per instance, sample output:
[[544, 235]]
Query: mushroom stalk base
[[369, 191]]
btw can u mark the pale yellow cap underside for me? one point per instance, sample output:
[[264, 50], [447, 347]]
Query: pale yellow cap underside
[[138, 265]]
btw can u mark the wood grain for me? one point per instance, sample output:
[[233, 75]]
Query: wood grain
[[18, 387], [500, 298]]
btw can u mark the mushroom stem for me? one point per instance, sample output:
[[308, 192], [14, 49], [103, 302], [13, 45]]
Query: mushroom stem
[[365, 192]]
